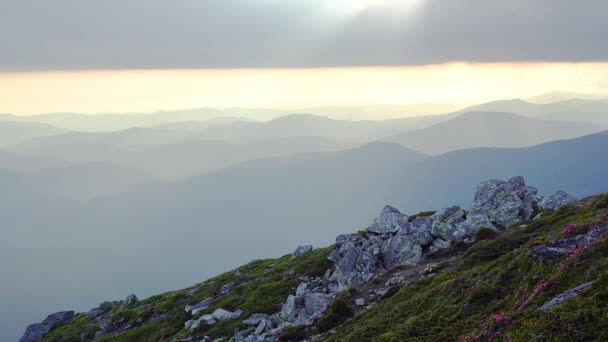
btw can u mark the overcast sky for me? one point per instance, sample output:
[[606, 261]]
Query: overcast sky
[[138, 34]]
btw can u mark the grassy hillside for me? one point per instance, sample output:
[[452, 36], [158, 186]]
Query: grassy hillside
[[488, 291], [495, 294]]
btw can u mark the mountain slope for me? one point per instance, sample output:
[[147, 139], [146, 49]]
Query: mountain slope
[[223, 219], [530, 279], [489, 129]]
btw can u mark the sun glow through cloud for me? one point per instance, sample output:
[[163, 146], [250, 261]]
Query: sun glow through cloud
[[149, 90], [357, 6]]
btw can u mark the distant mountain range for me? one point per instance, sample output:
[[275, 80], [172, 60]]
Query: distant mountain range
[[247, 211], [489, 129]]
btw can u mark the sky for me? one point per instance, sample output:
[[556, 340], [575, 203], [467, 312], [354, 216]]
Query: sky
[[141, 55]]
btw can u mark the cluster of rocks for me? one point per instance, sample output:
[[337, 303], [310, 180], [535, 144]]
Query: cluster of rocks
[[395, 239], [213, 318], [312, 297], [102, 315], [36, 331]]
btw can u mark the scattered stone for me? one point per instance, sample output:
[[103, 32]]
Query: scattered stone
[[255, 319], [301, 250], [129, 300], [360, 302], [565, 296], [199, 307], [221, 314], [395, 281], [271, 265], [226, 288]]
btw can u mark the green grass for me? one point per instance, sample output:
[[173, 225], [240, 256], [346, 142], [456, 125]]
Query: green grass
[[497, 272], [259, 289]]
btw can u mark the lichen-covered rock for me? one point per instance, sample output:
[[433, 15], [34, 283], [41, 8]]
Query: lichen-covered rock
[[419, 230], [504, 203], [471, 225], [445, 222], [389, 220], [556, 200], [36, 331], [401, 250]]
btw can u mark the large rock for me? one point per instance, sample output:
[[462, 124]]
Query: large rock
[[504, 203], [36, 331], [390, 220], [419, 230], [556, 200], [401, 250], [446, 222]]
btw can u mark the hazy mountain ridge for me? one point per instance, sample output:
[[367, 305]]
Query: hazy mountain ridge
[[489, 129]]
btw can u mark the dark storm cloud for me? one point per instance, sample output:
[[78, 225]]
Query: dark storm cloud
[[121, 34]]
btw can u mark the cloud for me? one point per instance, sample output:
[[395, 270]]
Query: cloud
[[141, 34]]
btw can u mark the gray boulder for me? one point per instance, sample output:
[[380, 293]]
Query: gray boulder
[[255, 319], [419, 230], [446, 221], [301, 250], [390, 220], [401, 250], [199, 307], [565, 296], [504, 203], [556, 200], [205, 319], [36, 331], [221, 314]]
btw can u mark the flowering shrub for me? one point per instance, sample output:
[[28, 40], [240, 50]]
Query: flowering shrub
[[539, 288], [574, 229], [579, 255], [491, 329]]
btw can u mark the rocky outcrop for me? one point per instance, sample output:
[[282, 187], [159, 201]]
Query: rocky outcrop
[[395, 239], [36, 331], [504, 203], [310, 300]]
